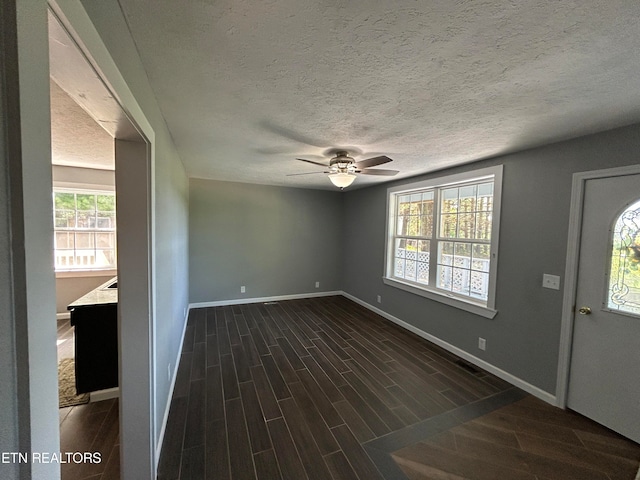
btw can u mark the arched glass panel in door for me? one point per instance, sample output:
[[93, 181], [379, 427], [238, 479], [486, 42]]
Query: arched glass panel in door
[[624, 272]]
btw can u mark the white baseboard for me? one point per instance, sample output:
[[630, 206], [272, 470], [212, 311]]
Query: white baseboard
[[506, 376], [176, 364], [105, 394], [63, 316], [240, 301]]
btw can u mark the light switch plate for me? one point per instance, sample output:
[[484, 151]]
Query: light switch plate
[[551, 281]]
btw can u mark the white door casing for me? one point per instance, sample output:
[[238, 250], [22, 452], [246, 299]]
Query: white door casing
[[600, 351]]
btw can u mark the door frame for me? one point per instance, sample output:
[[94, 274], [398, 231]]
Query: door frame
[[135, 143], [571, 271]]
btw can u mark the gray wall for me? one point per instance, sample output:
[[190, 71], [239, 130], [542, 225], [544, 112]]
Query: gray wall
[[273, 240], [89, 178], [523, 339]]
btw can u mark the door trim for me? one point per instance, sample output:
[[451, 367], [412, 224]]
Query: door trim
[[571, 271], [137, 348]]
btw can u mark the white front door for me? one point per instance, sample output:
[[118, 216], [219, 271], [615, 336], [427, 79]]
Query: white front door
[[604, 375]]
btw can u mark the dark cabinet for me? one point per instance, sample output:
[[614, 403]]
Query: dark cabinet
[[96, 347], [95, 320]]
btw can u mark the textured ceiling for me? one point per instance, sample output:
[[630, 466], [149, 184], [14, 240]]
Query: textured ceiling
[[246, 85], [76, 139]]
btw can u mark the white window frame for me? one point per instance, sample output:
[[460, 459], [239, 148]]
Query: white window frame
[[73, 270], [468, 304]]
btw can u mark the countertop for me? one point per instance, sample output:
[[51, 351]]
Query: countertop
[[101, 295]]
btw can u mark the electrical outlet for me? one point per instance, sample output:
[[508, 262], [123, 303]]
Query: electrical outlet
[[317, 284], [482, 343], [379, 298], [243, 289], [551, 281]]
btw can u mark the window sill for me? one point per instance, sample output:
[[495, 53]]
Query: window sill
[[86, 273], [438, 297]]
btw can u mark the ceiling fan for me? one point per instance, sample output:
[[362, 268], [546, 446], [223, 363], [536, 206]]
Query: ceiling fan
[[343, 168]]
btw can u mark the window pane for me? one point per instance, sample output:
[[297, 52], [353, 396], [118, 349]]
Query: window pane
[[64, 240], [411, 255], [426, 226], [481, 254], [463, 251], [415, 214], [86, 202], [427, 202], [483, 226], [399, 267], [106, 203], [65, 219], [624, 270], [460, 281], [64, 201], [445, 253], [404, 204], [449, 226], [105, 240], [400, 254], [445, 277], [86, 219], [84, 241], [466, 225], [401, 225], [410, 270], [106, 220], [422, 266], [413, 225], [467, 200], [449, 200], [479, 285], [412, 249], [485, 189]]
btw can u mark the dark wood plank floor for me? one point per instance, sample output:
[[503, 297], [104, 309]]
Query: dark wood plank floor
[[92, 428], [528, 440], [298, 389]]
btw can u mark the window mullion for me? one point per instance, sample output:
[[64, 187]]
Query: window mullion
[[433, 244]]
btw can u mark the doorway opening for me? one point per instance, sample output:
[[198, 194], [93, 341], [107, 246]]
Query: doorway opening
[[113, 162]]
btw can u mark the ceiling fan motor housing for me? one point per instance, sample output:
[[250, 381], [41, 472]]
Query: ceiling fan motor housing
[[342, 162]]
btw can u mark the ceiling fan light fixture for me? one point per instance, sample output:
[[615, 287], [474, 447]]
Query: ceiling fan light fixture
[[342, 179]]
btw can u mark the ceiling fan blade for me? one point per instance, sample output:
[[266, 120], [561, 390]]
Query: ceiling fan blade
[[311, 161], [307, 173], [378, 171], [372, 162]]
